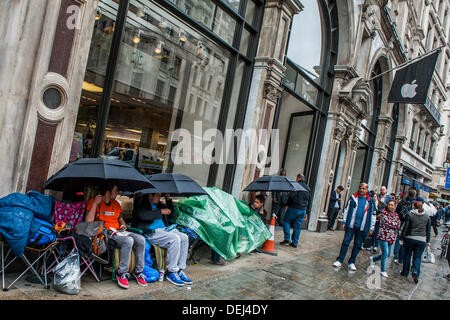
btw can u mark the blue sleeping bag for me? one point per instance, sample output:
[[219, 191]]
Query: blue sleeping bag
[[151, 275], [17, 213]]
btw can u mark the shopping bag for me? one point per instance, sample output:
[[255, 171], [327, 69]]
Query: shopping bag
[[67, 274], [428, 257]]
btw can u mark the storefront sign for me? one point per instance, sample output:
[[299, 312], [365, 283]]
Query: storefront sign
[[406, 181], [447, 179]]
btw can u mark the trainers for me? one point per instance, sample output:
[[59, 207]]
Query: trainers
[[352, 267], [175, 279], [219, 263], [375, 249], [384, 274], [371, 264], [284, 242], [337, 264], [292, 245], [122, 280], [140, 279], [183, 277]]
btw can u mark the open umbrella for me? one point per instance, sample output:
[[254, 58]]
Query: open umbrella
[[98, 172], [274, 183], [175, 184]]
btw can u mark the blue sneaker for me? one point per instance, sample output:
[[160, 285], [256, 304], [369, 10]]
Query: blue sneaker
[[183, 277], [175, 279]]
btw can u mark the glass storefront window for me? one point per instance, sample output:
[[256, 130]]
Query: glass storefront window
[[233, 4], [298, 144], [290, 78], [224, 25], [208, 14], [306, 90], [305, 48], [168, 76], [244, 42], [250, 12]]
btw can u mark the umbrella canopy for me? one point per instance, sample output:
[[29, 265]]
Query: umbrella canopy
[[175, 184], [97, 172], [274, 183]]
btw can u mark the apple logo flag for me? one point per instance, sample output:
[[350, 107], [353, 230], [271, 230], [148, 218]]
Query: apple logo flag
[[411, 82]]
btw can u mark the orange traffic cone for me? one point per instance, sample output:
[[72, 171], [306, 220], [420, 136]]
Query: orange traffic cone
[[268, 246]]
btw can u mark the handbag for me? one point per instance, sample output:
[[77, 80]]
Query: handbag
[[428, 257]]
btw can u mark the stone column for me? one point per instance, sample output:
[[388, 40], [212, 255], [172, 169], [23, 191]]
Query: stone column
[[265, 89]]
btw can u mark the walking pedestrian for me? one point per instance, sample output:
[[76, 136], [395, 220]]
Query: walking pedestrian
[[279, 203], [416, 236], [334, 207], [296, 211], [384, 196], [389, 224], [380, 205], [358, 221], [403, 208]]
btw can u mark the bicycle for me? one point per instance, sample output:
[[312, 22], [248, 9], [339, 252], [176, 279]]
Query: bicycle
[[445, 242]]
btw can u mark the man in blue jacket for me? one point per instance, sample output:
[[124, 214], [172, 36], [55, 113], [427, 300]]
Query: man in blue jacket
[[358, 221], [334, 207]]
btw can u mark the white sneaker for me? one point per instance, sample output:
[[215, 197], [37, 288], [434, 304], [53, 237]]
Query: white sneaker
[[384, 274], [337, 264], [371, 264], [352, 267], [375, 249]]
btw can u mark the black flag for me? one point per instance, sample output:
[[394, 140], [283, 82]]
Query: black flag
[[411, 83]]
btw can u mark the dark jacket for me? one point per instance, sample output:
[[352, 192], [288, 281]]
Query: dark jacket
[[143, 214], [416, 225], [403, 207], [335, 197], [300, 199]]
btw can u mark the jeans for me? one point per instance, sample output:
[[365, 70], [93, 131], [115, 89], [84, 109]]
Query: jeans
[[332, 214], [358, 237], [386, 250], [295, 217], [399, 251], [375, 234], [215, 257], [415, 249]]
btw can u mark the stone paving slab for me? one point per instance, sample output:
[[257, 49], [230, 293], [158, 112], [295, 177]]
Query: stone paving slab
[[305, 273]]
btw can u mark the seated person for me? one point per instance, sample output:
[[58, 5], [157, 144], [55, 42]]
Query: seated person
[[151, 215], [258, 206], [105, 208]]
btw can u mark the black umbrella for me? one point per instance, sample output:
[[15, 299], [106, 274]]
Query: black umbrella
[[97, 172], [274, 183], [175, 184]]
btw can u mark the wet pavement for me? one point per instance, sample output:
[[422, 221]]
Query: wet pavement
[[305, 273]]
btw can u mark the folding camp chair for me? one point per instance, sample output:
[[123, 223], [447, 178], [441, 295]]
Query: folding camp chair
[[42, 251]]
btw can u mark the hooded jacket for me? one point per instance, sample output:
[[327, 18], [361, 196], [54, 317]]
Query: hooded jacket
[[417, 226], [369, 218]]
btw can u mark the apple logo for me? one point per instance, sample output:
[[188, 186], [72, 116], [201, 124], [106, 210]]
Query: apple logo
[[409, 90]]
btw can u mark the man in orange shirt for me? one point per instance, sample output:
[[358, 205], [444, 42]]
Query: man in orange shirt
[[105, 208]]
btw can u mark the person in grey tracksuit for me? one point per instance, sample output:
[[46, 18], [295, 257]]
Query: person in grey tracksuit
[[151, 215]]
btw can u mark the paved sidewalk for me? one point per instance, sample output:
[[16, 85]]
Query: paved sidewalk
[[298, 274]]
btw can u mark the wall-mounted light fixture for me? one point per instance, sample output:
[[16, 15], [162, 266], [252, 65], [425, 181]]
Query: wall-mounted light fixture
[[182, 36], [158, 48], [137, 37]]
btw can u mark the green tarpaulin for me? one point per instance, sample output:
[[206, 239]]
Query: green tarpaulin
[[226, 224]]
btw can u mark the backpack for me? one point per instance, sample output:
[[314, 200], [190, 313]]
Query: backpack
[[44, 235], [406, 208], [96, 232]]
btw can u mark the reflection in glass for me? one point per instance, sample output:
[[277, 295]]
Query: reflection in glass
[[233, 3], [306, 90], [244, 42], [167, 77], [224, 25], [305, 48], [250, 12], [290, 77], [297, 147]]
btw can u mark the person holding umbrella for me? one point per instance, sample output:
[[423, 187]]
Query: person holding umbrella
[[105, 208], [295, 213]]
